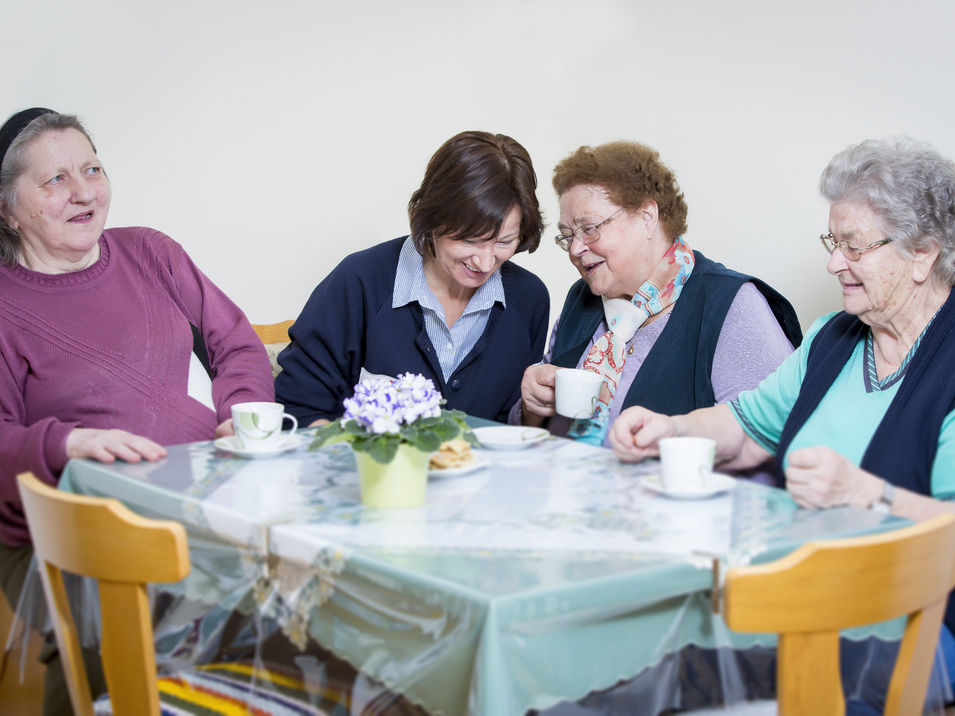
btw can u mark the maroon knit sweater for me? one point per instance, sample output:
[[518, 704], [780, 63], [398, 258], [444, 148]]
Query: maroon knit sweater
[[109, 347]]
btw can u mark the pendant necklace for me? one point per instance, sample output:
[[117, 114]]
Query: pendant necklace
[[634, 336]]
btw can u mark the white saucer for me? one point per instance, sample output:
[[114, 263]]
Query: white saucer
[[229, 445], [715, 484], [477, 463], [510, 437]]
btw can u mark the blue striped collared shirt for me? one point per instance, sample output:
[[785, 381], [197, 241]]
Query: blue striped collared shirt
[[451, 344]]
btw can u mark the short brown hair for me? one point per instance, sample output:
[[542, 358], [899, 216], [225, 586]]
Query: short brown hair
[[470, 186], [632, 174]]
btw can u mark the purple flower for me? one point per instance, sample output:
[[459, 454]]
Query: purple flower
[[382, 406]]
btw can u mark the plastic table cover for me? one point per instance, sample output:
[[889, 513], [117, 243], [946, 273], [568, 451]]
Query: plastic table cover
[[548, 574]]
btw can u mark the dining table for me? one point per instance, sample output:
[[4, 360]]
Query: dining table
[[547, 575]]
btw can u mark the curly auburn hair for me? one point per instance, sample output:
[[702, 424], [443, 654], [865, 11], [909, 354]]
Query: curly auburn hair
[[631, 173]]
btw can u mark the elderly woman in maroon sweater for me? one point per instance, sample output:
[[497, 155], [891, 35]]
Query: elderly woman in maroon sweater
[[113, 342]]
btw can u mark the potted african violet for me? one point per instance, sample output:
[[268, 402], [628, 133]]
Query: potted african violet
[[393, 427]]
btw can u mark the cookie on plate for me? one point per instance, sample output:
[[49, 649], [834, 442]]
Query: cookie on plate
[[453, 454]]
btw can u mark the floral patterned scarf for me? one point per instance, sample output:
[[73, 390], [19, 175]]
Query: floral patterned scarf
[[624, 318]]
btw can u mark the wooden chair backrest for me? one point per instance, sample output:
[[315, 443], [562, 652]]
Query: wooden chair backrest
[[273, 332], [100, 538], [835, 584]]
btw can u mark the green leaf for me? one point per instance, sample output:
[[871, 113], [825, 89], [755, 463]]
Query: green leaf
[[425, 434], [447, 432], [427, 441], [354, 428], [381, 448], [362, 443], [328, 434], [466, 433]]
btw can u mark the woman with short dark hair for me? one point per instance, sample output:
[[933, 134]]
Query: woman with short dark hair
[[444, 302]]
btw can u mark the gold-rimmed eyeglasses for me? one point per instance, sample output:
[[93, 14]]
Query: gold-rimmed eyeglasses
[[852, 253], [586, 234]]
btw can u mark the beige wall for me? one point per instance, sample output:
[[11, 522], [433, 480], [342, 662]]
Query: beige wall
[[273, 138]]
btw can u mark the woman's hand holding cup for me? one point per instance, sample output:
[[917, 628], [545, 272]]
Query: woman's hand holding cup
[[578, 392], [538, 393]]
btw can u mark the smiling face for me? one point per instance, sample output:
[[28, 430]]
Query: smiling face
[[468, 263], [62, 200], [618, 263], [877, 286]]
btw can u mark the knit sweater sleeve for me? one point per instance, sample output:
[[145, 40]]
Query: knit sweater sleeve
[[39, 448], [238, 361]]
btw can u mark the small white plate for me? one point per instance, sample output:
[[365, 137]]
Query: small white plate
[[229, 445], [510, 437], [477, 463], [715, 484]]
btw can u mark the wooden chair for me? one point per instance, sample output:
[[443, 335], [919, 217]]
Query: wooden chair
[[822, 587], [273, 332], [275, 337], [100, 538], [16, 698]]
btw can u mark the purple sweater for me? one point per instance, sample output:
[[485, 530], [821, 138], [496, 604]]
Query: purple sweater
[[110, 347]]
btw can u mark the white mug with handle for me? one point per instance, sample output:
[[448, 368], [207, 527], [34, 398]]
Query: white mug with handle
[[258, 426], [687, 463], [577, 392]]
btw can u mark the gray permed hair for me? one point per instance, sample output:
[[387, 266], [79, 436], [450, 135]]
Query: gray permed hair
[[909, 186]]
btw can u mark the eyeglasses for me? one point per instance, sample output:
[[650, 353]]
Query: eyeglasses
[[586, 234], [852, 253]]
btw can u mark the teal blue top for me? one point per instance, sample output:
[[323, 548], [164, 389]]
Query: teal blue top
[[848, 415]]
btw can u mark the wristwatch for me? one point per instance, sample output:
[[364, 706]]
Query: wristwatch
[[886, 499]]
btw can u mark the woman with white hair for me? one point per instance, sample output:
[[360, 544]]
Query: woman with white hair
[[863, 413]]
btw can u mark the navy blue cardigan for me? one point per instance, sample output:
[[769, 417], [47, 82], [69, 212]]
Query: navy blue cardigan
[[348, 323], [903, 447], [675, 378]]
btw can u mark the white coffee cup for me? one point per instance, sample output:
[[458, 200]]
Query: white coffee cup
[[577, 392], [258, 426], [687, 462]]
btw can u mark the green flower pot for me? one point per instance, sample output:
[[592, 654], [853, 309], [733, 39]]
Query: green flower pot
[[399, 483]]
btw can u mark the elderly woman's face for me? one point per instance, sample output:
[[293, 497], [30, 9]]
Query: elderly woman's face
[[877, 286], [62, 198], [618, 263]]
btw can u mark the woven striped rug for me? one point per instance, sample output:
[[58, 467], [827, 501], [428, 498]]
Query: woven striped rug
[[239, 689]]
